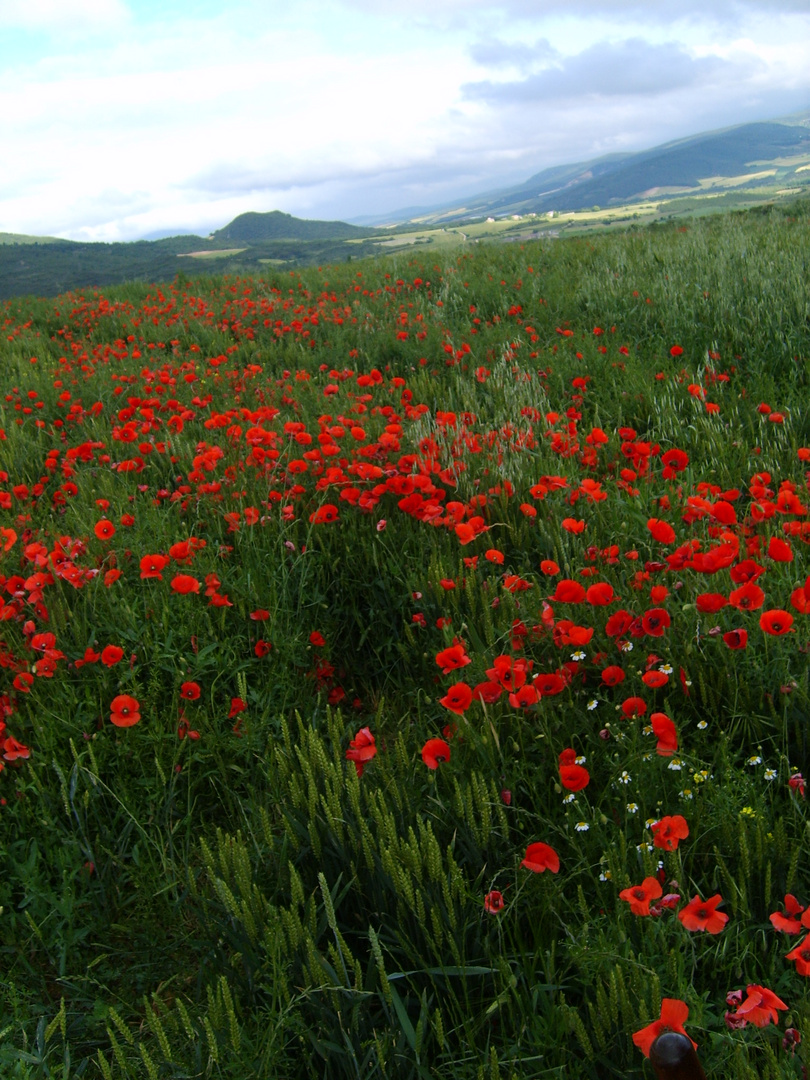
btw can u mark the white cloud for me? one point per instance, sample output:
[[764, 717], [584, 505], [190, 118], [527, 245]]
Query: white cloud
[[54, 16], [664, 11], [627, 68], [322, 110]]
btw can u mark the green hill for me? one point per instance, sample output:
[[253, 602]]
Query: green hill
[[253, 228], [21, 238]]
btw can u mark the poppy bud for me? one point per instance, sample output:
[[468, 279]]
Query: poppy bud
[[733, 1021], [791, 1039]]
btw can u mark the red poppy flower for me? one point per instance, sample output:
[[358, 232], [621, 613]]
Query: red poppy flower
[[655, 679], [618, 623], [549, 567], [317, 639], [182, 552], [9, 538], [458, 698], [237, 706], [801, 956], [488, 692], [90, 657], [748, 597], [736, 639], [124, 710], [435, 752], [452, 657], [111, 576], [493, 902], [600, 594], [703, 915], [12, 750], [515, 583], [776, 621], [574, 777], [262, 648], [789, 921], [664, 731], [527, 695], [111, 654], [613, 675], [540, 857], [510, 673], [219, 600], [760, 1006], [633, 706], [494, 556], [362, 749], [259, 615], [674, 461], [655, 621], [779, 550], [104, 530], [710, 602], [661, 531], [669, 831], [190, 691], [572, 525], [547, 685], [183, 584], [745, 571], [639, 896], [152, 565], [568, 592], [674, 1014], [324, 514], [23, 681], [185, 732]]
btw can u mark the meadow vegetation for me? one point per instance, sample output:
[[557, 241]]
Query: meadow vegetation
[[405, 664]]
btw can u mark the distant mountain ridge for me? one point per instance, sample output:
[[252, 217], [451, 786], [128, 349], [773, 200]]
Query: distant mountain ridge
[[622, 178]]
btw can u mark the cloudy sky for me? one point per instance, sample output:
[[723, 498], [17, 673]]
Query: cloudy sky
[[124, 119]]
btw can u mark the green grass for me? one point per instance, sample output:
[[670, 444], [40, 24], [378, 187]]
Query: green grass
[[214, 890]]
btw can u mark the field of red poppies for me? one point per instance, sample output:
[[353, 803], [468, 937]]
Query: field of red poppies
[[405, 665]]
